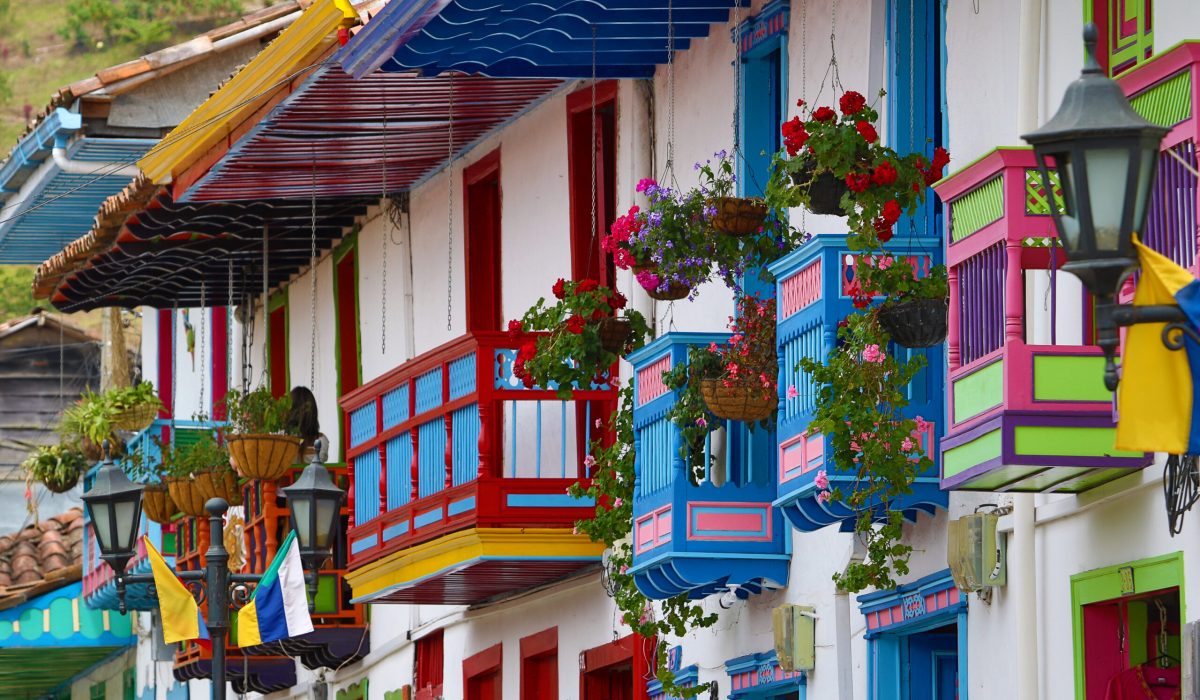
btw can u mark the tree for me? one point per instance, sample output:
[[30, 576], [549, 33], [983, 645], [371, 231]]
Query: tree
[[16, 291]]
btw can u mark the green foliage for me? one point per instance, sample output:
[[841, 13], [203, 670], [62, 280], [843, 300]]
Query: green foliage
[[570, 354], [6, 91], [126, 398], [205, 454], [54, 463], [258, 412], [145, 24], [90, 417], [612, 488], [16, 281]]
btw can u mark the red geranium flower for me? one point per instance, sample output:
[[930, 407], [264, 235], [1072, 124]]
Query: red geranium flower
[[858, 182], [867, 131], [587, 285], [575, 324], [527, 350], [617, 300], [824, 114], [794, 135], [941, 158], [514, 329], [883, 230], [800, 103], [852, 102], [559, 288], [891, 211], [885, 174]]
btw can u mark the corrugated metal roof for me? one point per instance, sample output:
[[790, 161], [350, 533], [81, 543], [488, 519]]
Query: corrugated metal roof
[[285, 60], [530, 38], [344, 129], [62, 206]]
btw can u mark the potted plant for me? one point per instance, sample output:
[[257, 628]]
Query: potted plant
[[58, 467], [156, 497], [196, 471], [915, 311], [262, 443], [581, 336], [133, 408], [665, 244], [739, 380], [88, 424], [736, 216]]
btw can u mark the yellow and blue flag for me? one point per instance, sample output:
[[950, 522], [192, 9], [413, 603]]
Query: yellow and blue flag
[[279, 607], [1157, 400], [180, 614]]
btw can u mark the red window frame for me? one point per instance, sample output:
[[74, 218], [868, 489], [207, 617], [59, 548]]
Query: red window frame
[[430, 662], [587, 260], [597, 663], [536, 651], [346, 279], [482, 207], [488, 662], [166, 361], [277, 342], [220, 355]]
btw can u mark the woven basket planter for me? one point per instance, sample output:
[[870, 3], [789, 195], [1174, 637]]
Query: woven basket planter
[[740, 403], [916, 323], [738, 216], [264, 456], [136, 418], [186, 496], [825, 192], [61, 484], [219, 484], [674, 291], [614, 334], [157, 503]]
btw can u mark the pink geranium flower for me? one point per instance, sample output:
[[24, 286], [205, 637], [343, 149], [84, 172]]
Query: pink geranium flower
[[872, 353], [822, 480], [822, 497], [792, 392]]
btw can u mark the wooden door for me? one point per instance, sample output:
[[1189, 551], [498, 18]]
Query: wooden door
[[482, 250]]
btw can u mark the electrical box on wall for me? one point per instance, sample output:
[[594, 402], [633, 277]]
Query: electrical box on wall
[[795, 637], [977, 552]]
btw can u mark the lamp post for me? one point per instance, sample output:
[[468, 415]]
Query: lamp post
[[1103, 155], [115, 506]]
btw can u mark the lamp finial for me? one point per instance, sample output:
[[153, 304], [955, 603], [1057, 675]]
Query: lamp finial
[[1091, 39]]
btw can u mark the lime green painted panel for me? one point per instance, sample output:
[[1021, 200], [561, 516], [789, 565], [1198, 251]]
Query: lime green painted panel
[[1036, 202], [977, 208], [326, 599], [1060, 441], [1069, 378], [62, 624], [969, 454], [1167, 103], [979, 391]]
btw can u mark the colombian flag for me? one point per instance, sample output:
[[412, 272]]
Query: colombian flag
[[180, 614], [1157, 396], [279, 607]]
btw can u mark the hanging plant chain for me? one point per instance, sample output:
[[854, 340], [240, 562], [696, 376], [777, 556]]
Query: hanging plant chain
[[312, 300], [450, 213]]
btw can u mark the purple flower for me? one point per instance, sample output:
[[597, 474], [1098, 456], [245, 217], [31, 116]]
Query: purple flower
[[721, 154]]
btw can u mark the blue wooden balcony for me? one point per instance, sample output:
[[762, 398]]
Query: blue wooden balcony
[[812, 286], [699, 533]]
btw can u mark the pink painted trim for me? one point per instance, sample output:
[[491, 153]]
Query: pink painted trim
[[650, 382], [652, 530], [1018, 391], [801, 289], [765, 509], [980, 171], [1159, 68], [800, 455]]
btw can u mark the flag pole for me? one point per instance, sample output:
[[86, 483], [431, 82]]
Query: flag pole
[[217, 591]]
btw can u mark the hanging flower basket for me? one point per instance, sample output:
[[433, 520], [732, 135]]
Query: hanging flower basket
[[738, 216], [916, 323], [674, 290], [825, 191], [739, 402], [264, 456], [61, 483], [614, 334], [186, 495], [219, 484], [136, 418], [157, 503]]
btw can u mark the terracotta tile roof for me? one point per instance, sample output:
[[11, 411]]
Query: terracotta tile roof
[[108, 222], [40, 558]]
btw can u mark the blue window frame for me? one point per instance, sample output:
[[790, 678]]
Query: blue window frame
[[916, 101], [758, 677], [764, 93]]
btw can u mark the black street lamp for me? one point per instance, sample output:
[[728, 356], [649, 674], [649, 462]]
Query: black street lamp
[[1104, 155], [115, 506]]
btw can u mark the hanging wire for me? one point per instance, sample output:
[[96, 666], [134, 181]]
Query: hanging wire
[[229, 314], [266, 358], [383, 202], [1181, 489], [450, 213], [203, 342], [312, 299], [595, 229]]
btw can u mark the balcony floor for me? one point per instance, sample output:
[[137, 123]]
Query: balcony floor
[[471, 566]]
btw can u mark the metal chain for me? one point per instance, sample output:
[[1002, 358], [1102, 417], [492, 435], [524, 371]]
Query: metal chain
[[450, 214], [312, 300], [383, 202], [229, 319], [737, 77], [203, 342], [595, 231], [174, 365], [266, 305], [804, 86], [669, 166]]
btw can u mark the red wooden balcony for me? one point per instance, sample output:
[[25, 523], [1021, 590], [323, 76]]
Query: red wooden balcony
[[459, 477]]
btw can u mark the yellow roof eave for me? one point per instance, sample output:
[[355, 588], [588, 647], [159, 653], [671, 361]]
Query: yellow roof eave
[[289, 55]]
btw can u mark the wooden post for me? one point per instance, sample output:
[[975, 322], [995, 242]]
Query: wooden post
[[1014, 292], [953, 319]]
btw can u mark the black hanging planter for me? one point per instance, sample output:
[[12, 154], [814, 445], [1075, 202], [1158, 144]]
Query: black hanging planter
[[916, 323], [825, 191]]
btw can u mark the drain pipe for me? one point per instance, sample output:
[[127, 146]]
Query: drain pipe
[[1025, 579], [844, 623], [87, 167]]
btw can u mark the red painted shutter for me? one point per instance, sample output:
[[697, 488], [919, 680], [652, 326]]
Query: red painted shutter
[[481, 208], [430, 666], [347, 320], [277, 339], [220, 355]]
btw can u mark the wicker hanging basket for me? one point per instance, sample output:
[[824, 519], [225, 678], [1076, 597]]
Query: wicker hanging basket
[[186, 495], [825, 191], [738, 402], [219, 484], [674, 291], [738, 216], [264, 456], [916, 323], [614, 334], [157, 503], [135, 418], [61, 484]]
